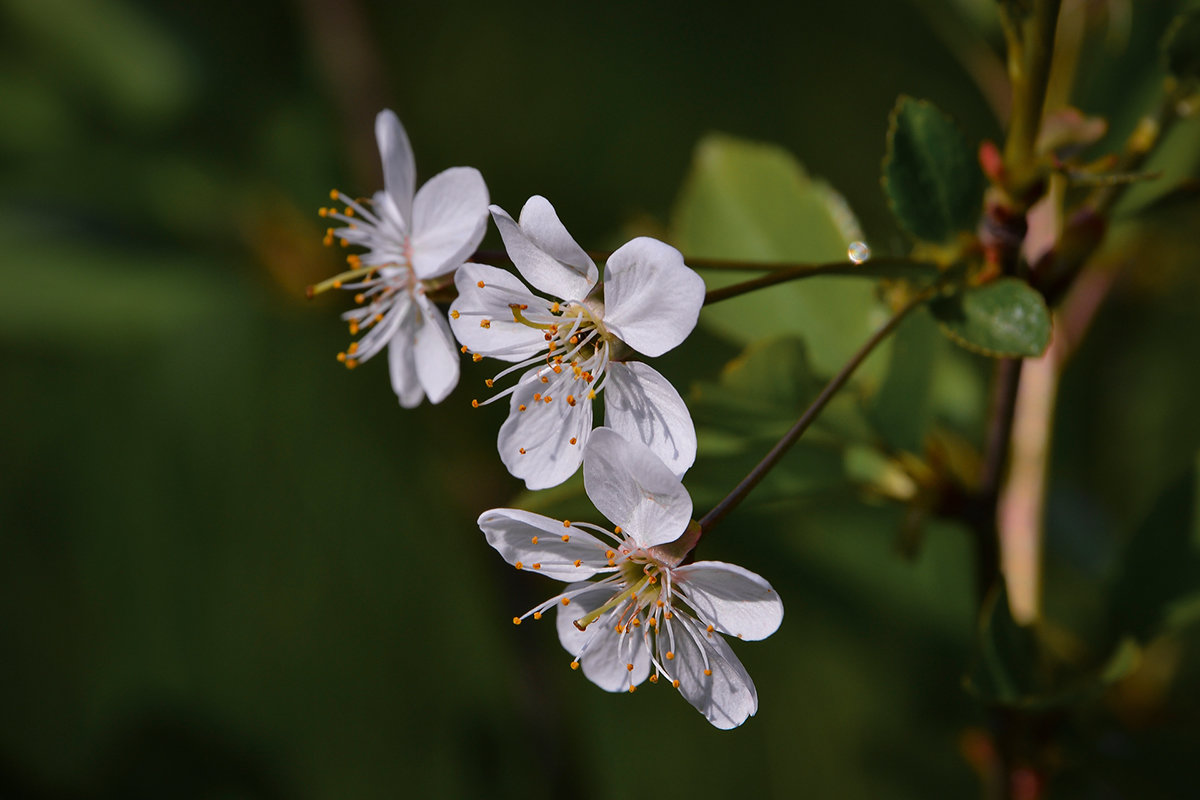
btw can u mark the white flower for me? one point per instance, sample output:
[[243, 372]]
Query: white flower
[[576, 343], [409, 240], [649, 616]]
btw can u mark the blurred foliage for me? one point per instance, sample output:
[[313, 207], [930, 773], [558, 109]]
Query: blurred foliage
[[233, 570]]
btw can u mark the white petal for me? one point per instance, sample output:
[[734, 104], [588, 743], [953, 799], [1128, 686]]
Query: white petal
[[544, 430], [633, 487], [512, 532], [543, 269], [734, 600], [643, 406], [399, 169], [651, 298], [402, 362], [504, 338], [607, 654], [434, 352], [540, 222], [727, 697], [449, 220]]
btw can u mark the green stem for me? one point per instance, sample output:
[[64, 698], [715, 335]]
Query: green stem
[[731, 501], [876, 268], [1031, 50]]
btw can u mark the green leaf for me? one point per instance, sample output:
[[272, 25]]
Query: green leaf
[[1004, 319], [1016, 666], [752, 201], [929, 173], [903, 406], [1181, 46]]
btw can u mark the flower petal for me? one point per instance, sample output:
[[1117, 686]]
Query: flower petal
[[513, 533], [434, 352], [448, 222], [399, 168], [504, 337], [643, 406], [726, 696], [544, 253], [402, 364], [651, 298], [544, 430], [734, 600], [606, 653], [631, 486]]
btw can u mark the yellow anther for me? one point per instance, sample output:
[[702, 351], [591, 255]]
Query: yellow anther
[[619, 628], [328, 240], [351, 363], [632, 688], [574, 665], [566, 601], [669, 615], [534, 540], [519, 565], [566, 524], [524, 306], [630, 668], [578, 562], [675, 683], [670, 656], [617, 529], [658, 603], [342, 357], [537, 565], [333, 194], [354, 260], [709, 629], [516, 620], [463, 349], [454, 313], [353, 328], [554, 308], [521, 450], [337, 284], [635, 622], [574, 340], [474, 404], [557, 369], [485, 323], [610, 553], [353, 348], [587, 376], [652, 622], [547, 399], [521, 407], [476, 357], [359, 298], [574, 440], [591, 394], [488, 382], [537, 615], [537, 397], [480, 284], [349, 212], [545, 379], [570, 399], [323, 211], [566, 537], [708, 672], [654, 679], [343, 242]]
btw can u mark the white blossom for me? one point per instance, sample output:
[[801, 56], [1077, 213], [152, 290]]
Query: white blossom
[[648, 616], [411, 240], [576, 339]]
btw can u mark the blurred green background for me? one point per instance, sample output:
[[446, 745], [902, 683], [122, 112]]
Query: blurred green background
[[231, 569]]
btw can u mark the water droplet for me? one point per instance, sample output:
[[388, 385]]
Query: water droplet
[[858, 252]]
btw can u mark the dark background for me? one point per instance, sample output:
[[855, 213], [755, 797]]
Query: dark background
[[229, 568]]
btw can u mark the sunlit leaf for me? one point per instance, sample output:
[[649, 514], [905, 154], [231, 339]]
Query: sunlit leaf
[[750, 201], [1005, 318]]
